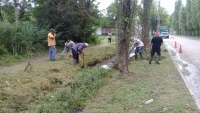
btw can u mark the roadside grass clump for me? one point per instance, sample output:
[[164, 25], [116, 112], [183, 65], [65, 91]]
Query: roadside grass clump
[[74, 95]]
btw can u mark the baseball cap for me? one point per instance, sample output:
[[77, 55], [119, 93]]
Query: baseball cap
[[52, 30]]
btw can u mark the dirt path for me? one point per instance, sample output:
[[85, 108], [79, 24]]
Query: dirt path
[[21, 66]]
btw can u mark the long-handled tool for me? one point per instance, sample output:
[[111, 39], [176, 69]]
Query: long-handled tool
[[83, 62]]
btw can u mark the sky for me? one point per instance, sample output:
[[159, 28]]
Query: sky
[[167, 4]]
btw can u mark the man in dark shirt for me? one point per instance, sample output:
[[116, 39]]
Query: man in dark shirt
[[78, 49], [156, 43]]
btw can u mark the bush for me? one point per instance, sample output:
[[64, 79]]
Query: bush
[[8, 59], [3, 50]]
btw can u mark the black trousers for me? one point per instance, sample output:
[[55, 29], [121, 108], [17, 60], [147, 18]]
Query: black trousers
[[109, 40], [157, 50]]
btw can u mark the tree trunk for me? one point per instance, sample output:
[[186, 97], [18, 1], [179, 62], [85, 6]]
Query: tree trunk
[[83, 29], [124, 21], [146, 21]]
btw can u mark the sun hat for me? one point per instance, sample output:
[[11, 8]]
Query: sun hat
[[86, 44]]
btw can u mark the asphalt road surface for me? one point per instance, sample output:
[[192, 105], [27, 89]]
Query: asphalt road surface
[[186, 55]]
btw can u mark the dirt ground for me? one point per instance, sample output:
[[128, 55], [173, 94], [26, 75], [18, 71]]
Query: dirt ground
[[22, 65]]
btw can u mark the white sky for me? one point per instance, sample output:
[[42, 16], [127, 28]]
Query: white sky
[[167, 4]]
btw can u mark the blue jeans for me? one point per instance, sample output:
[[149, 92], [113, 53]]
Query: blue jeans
[[138, 49], [52, 52], [66, 49]]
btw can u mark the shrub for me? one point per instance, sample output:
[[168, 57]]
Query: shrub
[[3, 50]]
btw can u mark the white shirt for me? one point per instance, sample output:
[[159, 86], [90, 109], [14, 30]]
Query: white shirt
[[137, 43]]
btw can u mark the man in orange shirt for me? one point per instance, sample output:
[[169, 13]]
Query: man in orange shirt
[[52, 44]]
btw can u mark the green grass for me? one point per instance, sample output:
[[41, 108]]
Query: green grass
[[128, 94], [37, 85], [60, 87]]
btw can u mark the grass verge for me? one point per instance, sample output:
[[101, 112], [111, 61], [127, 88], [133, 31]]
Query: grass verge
[[24, 90], [128, 94], [60, 87]]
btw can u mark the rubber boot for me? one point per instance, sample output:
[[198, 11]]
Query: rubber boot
[[151, 57], [158, 57], [141, 56], [75, 62], [135, 56]]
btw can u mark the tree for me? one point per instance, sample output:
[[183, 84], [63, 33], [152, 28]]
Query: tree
[[175, 18], [111, 13], [154, 16], [145, 21], [194, 17], [124, 30], [182, 20], [188, 17], [164, 17], [74, 19]]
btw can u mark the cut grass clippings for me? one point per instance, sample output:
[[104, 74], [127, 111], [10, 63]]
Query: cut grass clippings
[[72, 96], [127, 94], [24, 90]]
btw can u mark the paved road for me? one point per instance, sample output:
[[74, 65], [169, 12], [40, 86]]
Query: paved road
[[187, 62], [189, 46]]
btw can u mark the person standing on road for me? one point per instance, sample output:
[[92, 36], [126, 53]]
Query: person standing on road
[[78, 49], [156, 42], [109, 37], [68, 45], [52, 44], [139, 47]]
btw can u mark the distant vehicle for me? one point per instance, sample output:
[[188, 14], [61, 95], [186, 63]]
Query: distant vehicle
[[164, 33]]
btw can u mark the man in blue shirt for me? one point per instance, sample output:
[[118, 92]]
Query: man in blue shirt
[[156, 43], [78, 49]]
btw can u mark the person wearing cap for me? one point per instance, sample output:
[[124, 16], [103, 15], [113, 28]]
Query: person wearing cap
[[52, 44], [78, 49], [156, 42], [139, 47], [68, 45]]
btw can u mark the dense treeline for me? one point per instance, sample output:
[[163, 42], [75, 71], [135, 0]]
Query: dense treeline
[[24, 25], [185, 19]]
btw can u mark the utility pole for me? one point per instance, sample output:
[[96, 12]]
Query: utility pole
[[158, 22]]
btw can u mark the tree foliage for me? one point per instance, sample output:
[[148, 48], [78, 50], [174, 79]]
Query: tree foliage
[[76, 20], [146, 21], [175, 20], [164, 17], [182, 20], [185, 19], [26, 27]]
